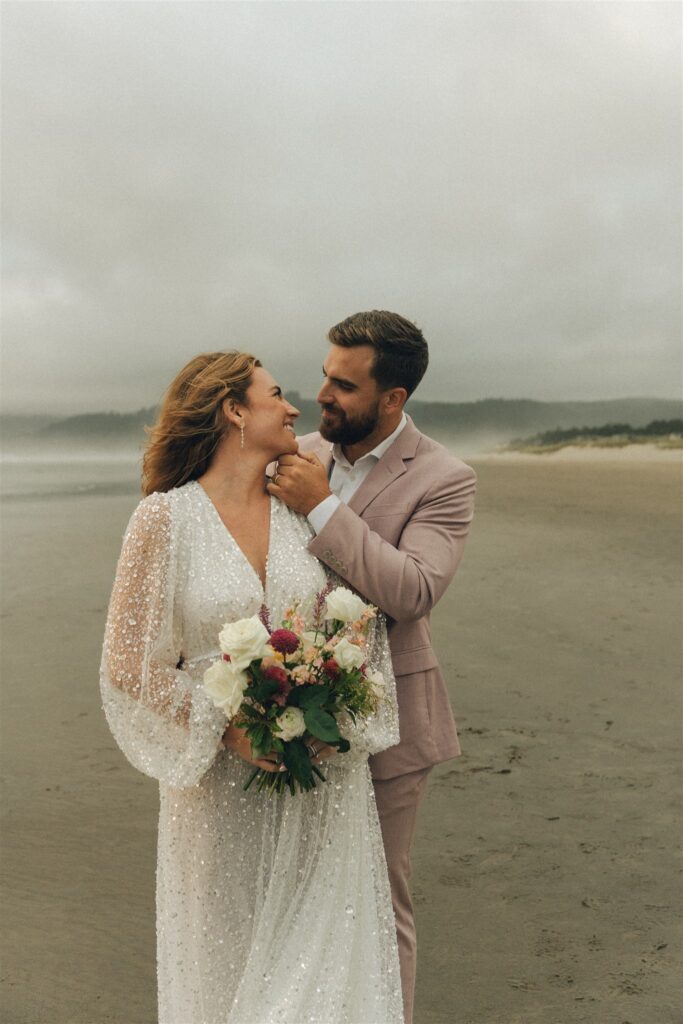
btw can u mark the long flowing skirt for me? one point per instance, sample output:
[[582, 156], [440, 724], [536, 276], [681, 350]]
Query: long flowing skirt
[[275, 909]]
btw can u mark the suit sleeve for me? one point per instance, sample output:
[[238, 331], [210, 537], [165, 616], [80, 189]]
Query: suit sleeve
[[404, 581]]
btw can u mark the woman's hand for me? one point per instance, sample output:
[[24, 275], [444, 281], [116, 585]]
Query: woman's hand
[[236, 740], [319, 751]]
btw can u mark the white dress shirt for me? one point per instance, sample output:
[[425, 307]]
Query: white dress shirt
[[346, 478]]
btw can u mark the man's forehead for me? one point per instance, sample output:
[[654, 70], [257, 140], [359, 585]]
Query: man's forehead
[[357, 359]]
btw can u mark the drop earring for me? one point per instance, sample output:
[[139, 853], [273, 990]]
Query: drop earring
[[241, 435]]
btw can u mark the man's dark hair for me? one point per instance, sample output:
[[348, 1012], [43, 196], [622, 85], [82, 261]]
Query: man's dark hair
[[401, 353]]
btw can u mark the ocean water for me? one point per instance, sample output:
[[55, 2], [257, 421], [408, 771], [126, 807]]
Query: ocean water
[[55, 476]]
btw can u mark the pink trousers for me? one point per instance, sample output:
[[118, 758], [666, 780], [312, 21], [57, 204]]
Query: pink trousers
[[398, 800]]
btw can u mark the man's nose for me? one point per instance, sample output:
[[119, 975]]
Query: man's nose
[[323, 397]]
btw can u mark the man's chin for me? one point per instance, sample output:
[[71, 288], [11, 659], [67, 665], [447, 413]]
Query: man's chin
[[332, 433], [326, 430]]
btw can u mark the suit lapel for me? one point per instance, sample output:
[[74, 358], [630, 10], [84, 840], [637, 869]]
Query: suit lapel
[[390, 467]]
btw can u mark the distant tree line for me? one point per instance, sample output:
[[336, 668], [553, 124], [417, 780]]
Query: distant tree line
[[657, 428]]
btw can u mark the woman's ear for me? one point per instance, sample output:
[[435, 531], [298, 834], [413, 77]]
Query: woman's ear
[[232, 413]]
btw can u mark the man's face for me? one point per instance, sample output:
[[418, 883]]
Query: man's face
[[349, 396]]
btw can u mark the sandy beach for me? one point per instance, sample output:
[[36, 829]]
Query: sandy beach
[[546, 871]]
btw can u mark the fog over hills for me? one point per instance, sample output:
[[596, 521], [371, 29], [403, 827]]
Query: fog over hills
[[468, 427]]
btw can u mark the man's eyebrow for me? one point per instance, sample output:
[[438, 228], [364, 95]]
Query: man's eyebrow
[[340, 380]]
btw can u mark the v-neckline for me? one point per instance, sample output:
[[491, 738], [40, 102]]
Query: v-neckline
[[263, 583]]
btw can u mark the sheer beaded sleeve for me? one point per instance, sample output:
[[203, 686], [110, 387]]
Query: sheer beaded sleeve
[[381, 730], [159, 715]]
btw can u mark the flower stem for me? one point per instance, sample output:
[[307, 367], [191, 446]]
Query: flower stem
[[251, 778]]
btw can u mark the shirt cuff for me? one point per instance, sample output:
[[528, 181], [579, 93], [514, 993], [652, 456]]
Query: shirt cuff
[[319, 516]]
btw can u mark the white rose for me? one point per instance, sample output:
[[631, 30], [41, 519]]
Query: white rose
[[313, 638], [244, 640], [348, 655], [344, 605], [291, 723], [225, 684], [377, 681]]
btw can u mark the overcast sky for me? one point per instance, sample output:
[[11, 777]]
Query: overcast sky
[[180, 177]]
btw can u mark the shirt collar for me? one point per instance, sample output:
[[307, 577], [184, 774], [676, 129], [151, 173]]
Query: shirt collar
[[376, 453]]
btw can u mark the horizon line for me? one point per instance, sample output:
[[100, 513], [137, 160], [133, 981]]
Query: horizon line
[[424, 401]]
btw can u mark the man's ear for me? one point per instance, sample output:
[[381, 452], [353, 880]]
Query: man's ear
[[395, 399]]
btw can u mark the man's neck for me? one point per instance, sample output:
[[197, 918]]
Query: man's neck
[[353, 452]]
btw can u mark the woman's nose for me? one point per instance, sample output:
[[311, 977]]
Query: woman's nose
[[293, 411]]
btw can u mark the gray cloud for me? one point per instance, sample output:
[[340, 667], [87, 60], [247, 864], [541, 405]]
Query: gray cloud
[[181, 177]]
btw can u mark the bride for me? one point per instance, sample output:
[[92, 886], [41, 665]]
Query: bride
[[270, 909]]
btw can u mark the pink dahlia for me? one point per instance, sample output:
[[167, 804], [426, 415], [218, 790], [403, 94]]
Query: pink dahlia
[[284, 641]]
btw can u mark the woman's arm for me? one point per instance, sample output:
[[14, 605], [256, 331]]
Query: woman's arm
[[159, 714]]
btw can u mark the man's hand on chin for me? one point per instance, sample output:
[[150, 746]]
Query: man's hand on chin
[[300, 481]]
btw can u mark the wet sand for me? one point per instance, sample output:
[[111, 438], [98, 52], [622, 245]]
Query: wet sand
[[546, 877]]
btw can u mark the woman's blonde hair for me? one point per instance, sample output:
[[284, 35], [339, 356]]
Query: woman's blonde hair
[[191, 420]]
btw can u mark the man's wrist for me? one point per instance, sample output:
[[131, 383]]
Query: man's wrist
[[321, 513]]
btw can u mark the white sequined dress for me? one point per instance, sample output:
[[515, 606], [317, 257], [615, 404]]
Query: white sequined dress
[[270, 910]]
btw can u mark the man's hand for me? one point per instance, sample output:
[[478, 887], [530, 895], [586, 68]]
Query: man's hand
[[300, 481]]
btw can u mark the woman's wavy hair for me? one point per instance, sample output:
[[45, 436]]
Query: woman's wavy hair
[[191, 420]]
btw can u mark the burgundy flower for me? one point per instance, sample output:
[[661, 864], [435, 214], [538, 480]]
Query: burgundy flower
[[226, 657], [331, 668], [279, 676], [275, 673], [284, 641]]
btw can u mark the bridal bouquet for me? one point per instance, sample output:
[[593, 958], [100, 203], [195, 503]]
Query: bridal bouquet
[[299, 682]]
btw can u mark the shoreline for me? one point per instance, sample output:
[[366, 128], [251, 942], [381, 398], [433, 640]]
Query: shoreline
[[587, 453]]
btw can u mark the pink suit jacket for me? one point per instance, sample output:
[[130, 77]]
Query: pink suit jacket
[[399, 542]]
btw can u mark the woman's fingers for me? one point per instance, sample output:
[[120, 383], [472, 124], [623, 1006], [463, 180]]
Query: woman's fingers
[[320, 752], [269, 766]]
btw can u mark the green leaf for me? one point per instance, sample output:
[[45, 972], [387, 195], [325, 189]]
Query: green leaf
[[321, 725], [261, 739], [260, 692], [297, 760], [250, 712], [313, 696]]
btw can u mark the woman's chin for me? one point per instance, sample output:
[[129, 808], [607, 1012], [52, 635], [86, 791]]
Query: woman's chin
[[289, 446]]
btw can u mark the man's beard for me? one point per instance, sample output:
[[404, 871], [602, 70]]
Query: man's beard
[[350, 431]]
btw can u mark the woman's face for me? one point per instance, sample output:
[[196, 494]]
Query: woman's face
[[269, 417]]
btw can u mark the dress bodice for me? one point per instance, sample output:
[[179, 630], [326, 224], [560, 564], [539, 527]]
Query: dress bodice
[[214, 581]]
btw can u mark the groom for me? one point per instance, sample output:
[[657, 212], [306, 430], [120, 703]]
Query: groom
[[391, 510]]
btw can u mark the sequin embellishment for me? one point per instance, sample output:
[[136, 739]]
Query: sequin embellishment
[[273, 911]]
